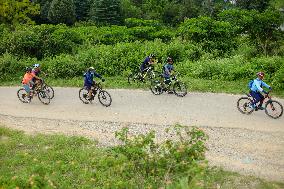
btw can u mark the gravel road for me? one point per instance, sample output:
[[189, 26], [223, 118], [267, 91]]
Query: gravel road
[[251, 145]]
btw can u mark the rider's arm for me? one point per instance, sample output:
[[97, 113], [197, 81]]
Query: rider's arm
[[265, 85], [97, 75]]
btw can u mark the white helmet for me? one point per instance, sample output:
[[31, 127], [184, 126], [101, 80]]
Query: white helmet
[[36, 65]]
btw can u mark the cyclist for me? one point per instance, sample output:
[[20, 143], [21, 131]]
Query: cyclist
[[27, 81], [149, 60], [36, 71], [168, 69], [256, 87], [89, 80]]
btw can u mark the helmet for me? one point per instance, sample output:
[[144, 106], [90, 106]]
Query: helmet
[[152, 56], [91, 68], [28, 69], [36, 65], [260, 74], [169, 59]]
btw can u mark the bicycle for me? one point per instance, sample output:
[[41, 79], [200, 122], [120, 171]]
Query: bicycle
[[43, 96], [138, 76], [103, 96], [178, 87], [47, 88], [273, 108]]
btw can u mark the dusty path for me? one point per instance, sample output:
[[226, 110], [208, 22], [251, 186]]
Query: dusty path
[[250, 144]]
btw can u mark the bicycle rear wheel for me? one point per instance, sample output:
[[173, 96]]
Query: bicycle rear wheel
[[23, 96], [43, 97], [104, 98], [180, 89], [244, 105], [83, 95], [273, 109]]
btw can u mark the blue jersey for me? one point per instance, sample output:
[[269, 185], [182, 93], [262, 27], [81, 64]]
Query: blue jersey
[[168, 68], [89, 77], [257, 85], [145, 63]]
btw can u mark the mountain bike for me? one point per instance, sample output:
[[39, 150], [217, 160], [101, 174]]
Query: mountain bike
[[103, 96], [38, 91], [48, 89], [158, 86], [138, 76], [273, 108]]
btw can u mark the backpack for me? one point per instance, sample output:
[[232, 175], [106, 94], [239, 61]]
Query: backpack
[[250, 84]]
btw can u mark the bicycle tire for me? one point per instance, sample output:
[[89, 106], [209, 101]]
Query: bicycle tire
[[104, 98], [270, 105], [43, 97], [49, 90], [180, 88], [156, 87], [83, 95], [245, 105], [22, 96]]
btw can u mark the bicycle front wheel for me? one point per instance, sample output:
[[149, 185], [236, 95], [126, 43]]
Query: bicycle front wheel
[[273, 109], [44, 97], [49, 90], [23, 96], [180, 89], [104, 98], [244, 105]]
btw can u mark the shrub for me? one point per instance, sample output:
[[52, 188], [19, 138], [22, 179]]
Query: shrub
[[169, 160]]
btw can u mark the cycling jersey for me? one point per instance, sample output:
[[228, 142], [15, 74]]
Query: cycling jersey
[[257, 85], [145, 63], [27, 78], [89, 77], [36, 72], [168, 68]]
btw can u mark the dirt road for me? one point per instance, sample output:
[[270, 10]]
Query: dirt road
[[250, 144]]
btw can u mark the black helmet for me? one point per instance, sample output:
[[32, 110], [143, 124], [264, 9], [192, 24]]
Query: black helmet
[[28, 69], [152, 56], [169, 59]]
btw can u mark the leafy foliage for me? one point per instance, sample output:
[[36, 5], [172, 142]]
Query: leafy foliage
[[212, 34], [106, 12], [62, 11], [13, 12], [57, 161]]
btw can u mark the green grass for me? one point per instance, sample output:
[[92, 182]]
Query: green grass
[[56, 161], [194, 85]]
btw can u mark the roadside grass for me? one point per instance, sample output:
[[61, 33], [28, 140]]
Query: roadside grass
[[194, 85], [57, 161]]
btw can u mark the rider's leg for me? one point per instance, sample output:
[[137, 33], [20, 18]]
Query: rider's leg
[[261, 101], [256, 97]]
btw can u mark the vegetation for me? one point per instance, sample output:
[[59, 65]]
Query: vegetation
[[54, 161]]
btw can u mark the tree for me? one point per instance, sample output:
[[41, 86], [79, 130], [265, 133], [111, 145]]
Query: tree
[[260, 5], [106, 12], [211, 34], [62, 11], [13, 12], [82, 9]]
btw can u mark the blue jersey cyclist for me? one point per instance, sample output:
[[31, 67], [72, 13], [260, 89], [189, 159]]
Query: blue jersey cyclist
[[89, 79], [256, 88], [149, 60], [168, 70]]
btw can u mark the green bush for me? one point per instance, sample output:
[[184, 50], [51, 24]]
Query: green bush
[[135, 22], [156, 163], [41, 41]]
